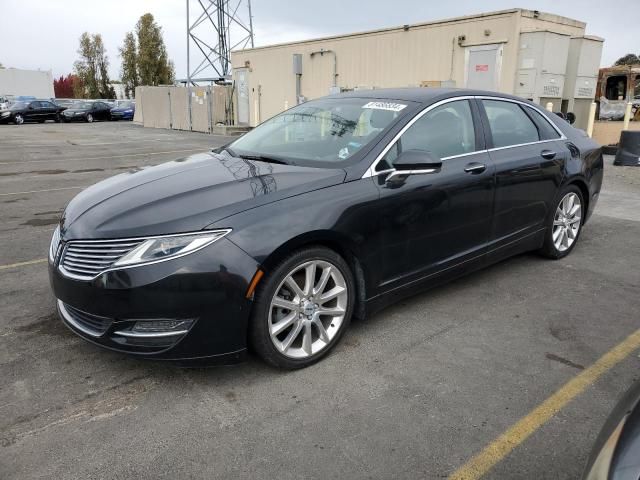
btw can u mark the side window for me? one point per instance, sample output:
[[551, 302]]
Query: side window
[[47, 105], [35, 104], [509, 124], [446, 131], [547, 132]]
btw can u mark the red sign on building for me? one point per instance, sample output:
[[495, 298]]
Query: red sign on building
[[482, 68]]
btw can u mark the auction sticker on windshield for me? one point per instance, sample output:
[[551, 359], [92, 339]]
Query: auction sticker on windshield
[[394, 107]]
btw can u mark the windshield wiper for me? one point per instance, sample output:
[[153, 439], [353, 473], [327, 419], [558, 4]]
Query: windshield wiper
[[263, 158]]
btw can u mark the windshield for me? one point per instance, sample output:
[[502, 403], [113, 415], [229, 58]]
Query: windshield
[[125, 104], [18, 106], [82, 105], [325, 133]]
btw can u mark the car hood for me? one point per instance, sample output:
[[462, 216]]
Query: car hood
[[185, 195]]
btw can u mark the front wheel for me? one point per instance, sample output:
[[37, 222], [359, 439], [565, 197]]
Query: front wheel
[[18, 119], [89, 118], [302, 309], [565, 225]]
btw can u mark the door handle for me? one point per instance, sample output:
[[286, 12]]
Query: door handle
[[548, 154], [475, 168]]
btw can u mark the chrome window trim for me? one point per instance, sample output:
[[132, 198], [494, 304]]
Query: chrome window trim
[[88, 278], [371, 171]]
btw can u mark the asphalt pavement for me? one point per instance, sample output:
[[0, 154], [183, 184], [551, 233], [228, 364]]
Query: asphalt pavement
[[413, 392]]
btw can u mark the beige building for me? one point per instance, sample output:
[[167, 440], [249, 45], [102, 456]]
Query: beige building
[[517, 51]]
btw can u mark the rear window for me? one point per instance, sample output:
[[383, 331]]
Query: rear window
[[509, 124]]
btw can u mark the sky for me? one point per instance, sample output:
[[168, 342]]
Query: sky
[[43, 34]]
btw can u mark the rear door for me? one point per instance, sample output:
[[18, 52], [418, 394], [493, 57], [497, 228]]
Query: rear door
[[49, 111], [528, 159]]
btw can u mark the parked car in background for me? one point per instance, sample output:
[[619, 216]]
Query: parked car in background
[[64, 102], [4, 102], [124, 110], [616, 453], [275, 240], [33, 111], [87, 111]]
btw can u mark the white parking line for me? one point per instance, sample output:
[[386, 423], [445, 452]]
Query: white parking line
[[86, 159], [74, 144], [41, 191]]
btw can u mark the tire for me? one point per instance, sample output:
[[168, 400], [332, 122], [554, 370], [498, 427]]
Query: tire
[[18, 119], [287, 348], [563, 229], [89, 118]]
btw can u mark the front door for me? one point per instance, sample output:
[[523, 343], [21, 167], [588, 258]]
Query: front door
[[436, 220]]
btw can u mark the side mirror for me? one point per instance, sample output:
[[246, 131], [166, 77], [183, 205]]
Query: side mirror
[[413, 162], [417, 160]]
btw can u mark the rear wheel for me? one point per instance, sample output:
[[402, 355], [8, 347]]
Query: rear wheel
[[89, 118], [302, 309], [565, 224]]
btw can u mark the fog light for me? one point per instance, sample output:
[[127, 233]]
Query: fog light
[[156, 326]]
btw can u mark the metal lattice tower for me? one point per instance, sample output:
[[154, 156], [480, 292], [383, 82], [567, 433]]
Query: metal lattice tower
[[214, 29]]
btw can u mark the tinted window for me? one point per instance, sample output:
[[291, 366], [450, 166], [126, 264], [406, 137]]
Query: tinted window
[[446, 131], [546, 130], [509, 124], [35, 104], [47, 105]]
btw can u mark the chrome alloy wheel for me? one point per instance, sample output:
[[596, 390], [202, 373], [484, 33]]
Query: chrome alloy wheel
[[19, 119], [308, 309], [567, 221]]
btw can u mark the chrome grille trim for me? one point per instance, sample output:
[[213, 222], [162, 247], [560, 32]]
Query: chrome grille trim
[[87, 323], [86, 259]]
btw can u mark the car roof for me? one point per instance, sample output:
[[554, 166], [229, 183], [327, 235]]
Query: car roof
[[421, 95]]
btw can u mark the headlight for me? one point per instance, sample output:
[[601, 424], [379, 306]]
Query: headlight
[[166, 248], [128, 111], [5, 114], [55, 242]]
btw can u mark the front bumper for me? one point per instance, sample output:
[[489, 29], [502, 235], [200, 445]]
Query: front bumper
[[121, 116], [203, 292]]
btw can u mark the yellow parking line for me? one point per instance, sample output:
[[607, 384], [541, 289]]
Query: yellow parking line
[[518, 433], [22, 264]]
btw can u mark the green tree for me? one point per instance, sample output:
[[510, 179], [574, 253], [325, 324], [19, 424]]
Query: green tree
[[153, 64], [628, 59], [92, 69], [129, 73]]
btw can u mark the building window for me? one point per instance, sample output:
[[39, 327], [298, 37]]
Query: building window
[[616, 87]]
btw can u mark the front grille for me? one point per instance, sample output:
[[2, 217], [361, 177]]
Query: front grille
[[86, 322], [87, 259]]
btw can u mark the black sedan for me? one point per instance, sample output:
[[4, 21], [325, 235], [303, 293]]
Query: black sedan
[[332, 209], [33, 111], [616, 453], [86, 111]]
